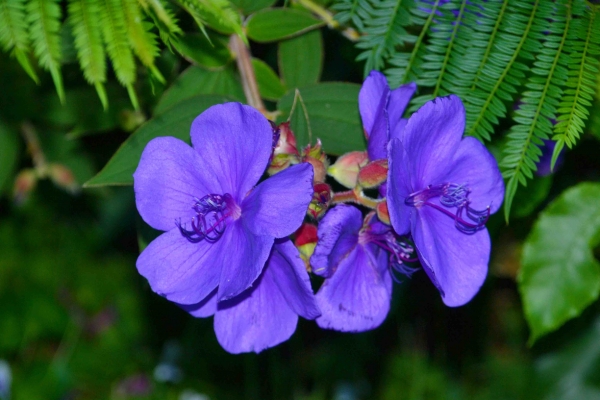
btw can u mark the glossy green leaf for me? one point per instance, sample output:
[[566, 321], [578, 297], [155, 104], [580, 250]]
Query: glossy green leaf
[[174, 121], [333, 112], [559, 275], [279, 23], [249, 6], [9, 147], [299, 121], [197, 49], [197, 81], [269, 85], [301, 60]]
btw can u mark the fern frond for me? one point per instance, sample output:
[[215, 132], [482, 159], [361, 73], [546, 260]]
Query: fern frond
[[384, 30], [573, 110], [163, 18], [142, 40], [218, 14], [504, 70], [355, 11], [83, 17], [114, 32], [13, 34], [44, 26], [538, 105]]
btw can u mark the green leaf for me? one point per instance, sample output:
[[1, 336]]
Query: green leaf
[[218, 14], [175, 121], [269, 85], [559, 275], [333, 111], [195, 81], [279, 23], [530, 197], [197, 49], [301, 60], [9, 149], [247, 7]]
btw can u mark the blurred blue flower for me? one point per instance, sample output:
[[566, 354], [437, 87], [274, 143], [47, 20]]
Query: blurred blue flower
[[5, 380], [545, 162]]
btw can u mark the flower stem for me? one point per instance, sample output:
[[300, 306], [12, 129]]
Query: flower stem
[[355, 196], [244, 63], [34, 148]]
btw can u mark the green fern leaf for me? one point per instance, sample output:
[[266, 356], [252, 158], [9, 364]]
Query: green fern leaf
[[141, 38], [13, 33], [116, 38], [164, 16], [218, 14], [504, 70], [355, 11], [44, 23], [384, 31], [83, 17], [539, 103], [573, 110]]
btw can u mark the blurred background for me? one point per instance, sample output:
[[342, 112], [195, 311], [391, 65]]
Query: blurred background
[[78, 322]]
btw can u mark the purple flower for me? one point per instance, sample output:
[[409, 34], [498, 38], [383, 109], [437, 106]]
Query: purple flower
[[442, 188], [381, 111], [545, 162], [355, 258], [220, 228], [267, 313]]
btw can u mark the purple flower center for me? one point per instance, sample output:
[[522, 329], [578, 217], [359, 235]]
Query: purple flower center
[[451, 195], [212, 211], [399, 249]]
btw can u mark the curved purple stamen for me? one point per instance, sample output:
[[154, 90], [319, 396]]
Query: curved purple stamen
[[209, 223], [466, 219], [400, 250]]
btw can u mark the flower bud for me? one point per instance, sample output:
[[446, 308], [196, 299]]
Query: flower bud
[[382, 212], [346, 167], [320, 201], [306, 241], [24, 184], [318, 167], [373, 174], [287, 141], [63, 177]]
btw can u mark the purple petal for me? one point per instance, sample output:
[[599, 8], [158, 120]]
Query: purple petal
[[243, 259], [277, 206], [357, 297], [291, 277], [379, 136], [168, 178], [474, 166], [235, 143], [205, 308], [456, 262], [337, 237], [398, 188], [372, 100], [181, 271], [255, 320], [399, 99], [398, 130], [431, 138]]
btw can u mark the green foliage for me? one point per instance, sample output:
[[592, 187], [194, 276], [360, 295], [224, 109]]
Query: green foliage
[[333, 114], [13, 33], [355, 11], [218, 14], [44, 17], [279, 23], [559, 275], [9, 147], [301, 59], [269, 84]]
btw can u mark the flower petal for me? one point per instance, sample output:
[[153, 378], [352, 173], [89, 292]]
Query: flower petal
[[242, 260], [431, 138], [277, 206], [474, 166], [372, 100], [235, 143], [255, 320], [168, 178], [398, 188], [203, 309], [337, 237], [357, 297], [290, 276], [399, 99], [181, 271], [456, 262]]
